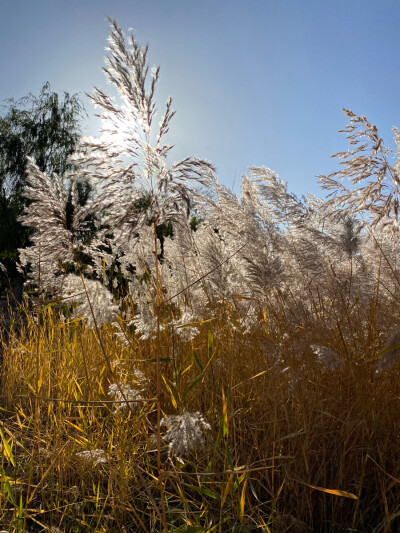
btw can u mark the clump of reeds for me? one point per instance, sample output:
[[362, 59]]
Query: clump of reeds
[[197, 361]]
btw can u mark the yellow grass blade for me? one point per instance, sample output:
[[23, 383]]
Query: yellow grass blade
[[335, 492], [174, 402], [7, 449], [242, 502], [226, 490], [74, 426], [249, 379]]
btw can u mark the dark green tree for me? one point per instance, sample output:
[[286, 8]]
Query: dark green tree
[[47, 128]]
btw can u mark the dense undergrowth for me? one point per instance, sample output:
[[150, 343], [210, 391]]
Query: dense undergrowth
[[284, 430]]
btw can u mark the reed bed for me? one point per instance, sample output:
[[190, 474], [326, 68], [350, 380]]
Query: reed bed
[[191, 360]]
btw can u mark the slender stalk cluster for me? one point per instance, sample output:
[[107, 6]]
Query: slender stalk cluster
[[165, 247]]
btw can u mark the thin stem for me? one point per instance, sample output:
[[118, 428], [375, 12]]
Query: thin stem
[[158, 345]]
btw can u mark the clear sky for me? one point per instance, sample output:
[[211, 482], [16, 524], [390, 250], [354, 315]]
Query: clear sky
[[254, 82]]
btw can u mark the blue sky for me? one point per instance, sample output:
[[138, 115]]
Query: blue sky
[[255, 82]]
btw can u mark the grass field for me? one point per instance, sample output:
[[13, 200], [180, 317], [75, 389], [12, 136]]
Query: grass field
[[292, 445]]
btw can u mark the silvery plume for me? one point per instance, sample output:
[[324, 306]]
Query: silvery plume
[[185, 327], [56, 235], [327, 357], [250, 235], [121, 335], [185, 433], [126, 395], [95, 302], [127, 166], [145, 322], [373, 182], [93, 457]]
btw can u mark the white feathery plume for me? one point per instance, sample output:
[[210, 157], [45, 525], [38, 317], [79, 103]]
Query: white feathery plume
[[145, 322], [185, 327], [185, 433], [124, 396], [132, 182], [373, 183], [93, 457], [55, 238], [95, 302]]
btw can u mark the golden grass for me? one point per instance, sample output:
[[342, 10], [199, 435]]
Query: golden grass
[[294, 450]]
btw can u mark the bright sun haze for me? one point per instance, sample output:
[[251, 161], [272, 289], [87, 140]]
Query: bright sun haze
[[253, 83]]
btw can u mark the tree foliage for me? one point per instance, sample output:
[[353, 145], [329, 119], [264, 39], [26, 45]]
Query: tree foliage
[[45, 128]]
